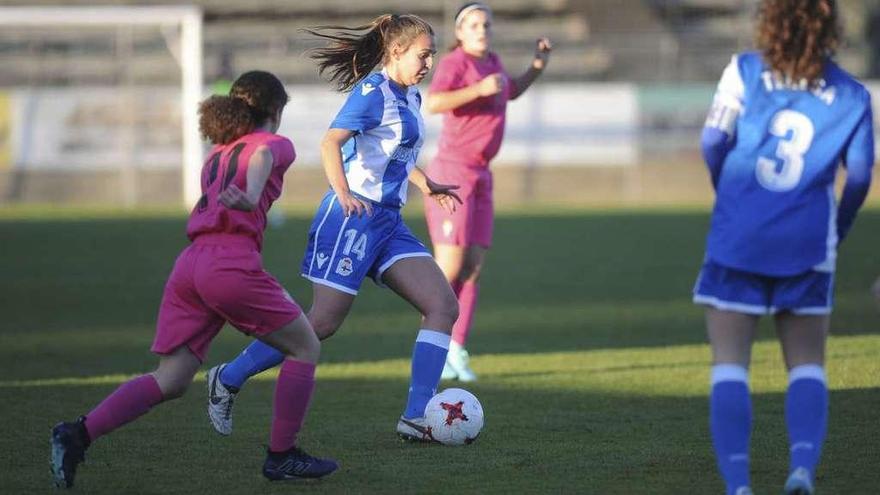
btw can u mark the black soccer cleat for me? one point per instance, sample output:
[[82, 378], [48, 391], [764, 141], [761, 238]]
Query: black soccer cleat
[[295, 464], [69, 443]]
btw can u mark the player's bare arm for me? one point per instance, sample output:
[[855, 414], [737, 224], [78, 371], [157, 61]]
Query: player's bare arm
[[259, 168], [331, 158], [443, 101], [444, 194]]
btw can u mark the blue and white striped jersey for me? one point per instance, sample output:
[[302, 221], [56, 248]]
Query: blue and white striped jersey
[[388, 131], [775, 211]]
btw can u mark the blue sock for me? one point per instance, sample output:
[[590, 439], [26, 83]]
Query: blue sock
[[428, 358], [254, 359], [730, 421], [806, 415]]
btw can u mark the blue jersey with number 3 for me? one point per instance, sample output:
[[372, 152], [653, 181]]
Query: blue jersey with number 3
[[775, 210]]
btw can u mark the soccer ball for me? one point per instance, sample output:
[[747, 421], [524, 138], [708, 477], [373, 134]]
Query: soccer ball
[[454, 417]]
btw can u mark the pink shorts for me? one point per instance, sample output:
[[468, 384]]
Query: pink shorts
[[219, 278], [472, 222]]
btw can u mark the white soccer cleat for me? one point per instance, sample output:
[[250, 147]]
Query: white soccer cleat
[[744, 490], [448, 372], [799, 483], [220, 402], [458, 361], [414, 430]]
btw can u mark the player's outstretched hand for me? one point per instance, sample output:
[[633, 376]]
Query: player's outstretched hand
[[353, 205], [444, 195], [234, 198], [543, 47]]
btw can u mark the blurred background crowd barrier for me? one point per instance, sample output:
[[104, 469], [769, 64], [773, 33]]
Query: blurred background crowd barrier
[[94, 113]]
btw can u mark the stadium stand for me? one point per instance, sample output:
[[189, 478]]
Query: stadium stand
[[670, 51]]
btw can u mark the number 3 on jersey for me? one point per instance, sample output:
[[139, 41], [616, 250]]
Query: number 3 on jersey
[[791, 151]]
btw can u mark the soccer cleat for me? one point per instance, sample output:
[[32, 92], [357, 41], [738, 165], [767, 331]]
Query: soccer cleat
[[448, 372], [799, 483], [414, 430], [294, 464], [69, 443], [457, 359], [220, 401], [744, 490]]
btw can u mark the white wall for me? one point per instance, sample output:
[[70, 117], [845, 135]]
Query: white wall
[[102, 128]]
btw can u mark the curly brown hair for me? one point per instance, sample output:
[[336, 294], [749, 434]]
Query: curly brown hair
[[254, 97], [352, 52], [797, 37]]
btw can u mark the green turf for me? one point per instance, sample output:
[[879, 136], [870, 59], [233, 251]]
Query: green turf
[[592, 361]]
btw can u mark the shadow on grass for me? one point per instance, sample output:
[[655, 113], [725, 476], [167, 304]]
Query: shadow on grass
[[552, 282], [535, 441]]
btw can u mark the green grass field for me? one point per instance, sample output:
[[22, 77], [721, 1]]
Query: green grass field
[[593, 365]]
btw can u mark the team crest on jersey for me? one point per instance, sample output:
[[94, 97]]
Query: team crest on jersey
[[447, 228], [344, 267]]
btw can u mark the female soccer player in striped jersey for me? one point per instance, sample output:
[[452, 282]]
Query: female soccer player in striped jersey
[[368, 154], [219, 278], [782, 121], [471, 89]]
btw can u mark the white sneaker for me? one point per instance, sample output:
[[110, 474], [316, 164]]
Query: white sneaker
[[448, 372], [744, 490], [414, 430], [220, 401], [799, 483], [457, 359]]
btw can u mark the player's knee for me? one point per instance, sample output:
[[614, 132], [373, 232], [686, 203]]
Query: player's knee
[[174, 389], [305, 347], [285, 345], [453, 310], [311, 348], [446, 308], [173, 378], [325, 327]]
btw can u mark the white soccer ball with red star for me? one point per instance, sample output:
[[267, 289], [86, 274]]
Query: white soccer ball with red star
[[454, 417]]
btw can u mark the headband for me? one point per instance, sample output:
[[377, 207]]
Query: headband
[[468, 8]]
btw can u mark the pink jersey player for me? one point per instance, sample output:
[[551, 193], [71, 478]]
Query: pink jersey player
[[228, 164], [219, 278], [471, 88], [251, 299]]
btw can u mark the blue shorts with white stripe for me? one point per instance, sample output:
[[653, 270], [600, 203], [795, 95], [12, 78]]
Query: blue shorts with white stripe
[[342, 250], [808, 293]]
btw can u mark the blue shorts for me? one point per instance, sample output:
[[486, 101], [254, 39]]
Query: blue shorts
[[343, 250], [809, 293]]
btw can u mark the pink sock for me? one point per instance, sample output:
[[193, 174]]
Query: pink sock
[[296, 381], [128, 402], [467, 304]]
